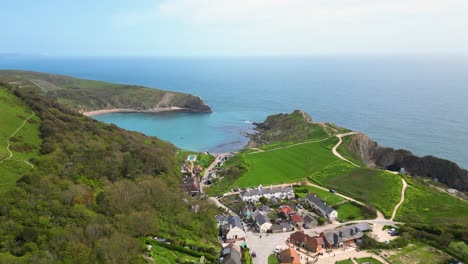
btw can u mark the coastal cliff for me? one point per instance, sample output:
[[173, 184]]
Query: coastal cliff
[[88, 96], [441, 170]]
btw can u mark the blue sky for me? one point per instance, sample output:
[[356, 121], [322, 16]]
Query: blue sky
[[233, 27]]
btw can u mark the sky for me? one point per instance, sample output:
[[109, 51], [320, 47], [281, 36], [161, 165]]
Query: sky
[[233, 27]]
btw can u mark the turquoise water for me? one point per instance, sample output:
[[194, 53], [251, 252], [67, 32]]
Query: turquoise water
[[415, 103]]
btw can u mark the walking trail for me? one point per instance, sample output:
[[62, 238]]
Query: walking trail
[[12, 135], [403, 189], [42, 88], [340, 140]]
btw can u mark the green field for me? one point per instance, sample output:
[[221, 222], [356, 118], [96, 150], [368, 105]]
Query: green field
[[371, 186], [326, 196], [25, 143], [288, 164], [368, 260], [418, 254], [424, 204], [348, 212], [164, 255]]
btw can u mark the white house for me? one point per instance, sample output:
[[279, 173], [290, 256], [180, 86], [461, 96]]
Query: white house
[[262, 221], [253, 195], [236, 230], [324, 209]]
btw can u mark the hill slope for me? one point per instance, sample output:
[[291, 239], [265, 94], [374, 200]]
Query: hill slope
[[87, 95], [95, 192]]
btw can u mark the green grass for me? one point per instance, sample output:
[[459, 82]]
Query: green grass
[[368, 260], [345, 261], [371, 186], [272, 259], [418, 253], [424, 204], [348, 212], [287, 165], [165, 255], [24, 145], [326, 196], [348, 154]]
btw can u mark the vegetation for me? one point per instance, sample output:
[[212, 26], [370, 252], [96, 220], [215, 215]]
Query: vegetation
[[286, 165], [94, 192], [368, 260], [353, 211], [418, 253], [164, 255], [294, 127], [424, 204], [272, 259], [348, 154], [88, 95], [326, 196], [371, 186], [231, 171]]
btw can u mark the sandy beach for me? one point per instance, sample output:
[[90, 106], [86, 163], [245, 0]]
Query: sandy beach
[[130, 110]]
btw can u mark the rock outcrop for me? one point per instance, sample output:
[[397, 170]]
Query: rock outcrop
[[444, 171]]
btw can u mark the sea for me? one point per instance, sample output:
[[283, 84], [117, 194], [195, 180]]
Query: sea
[[418, 103]]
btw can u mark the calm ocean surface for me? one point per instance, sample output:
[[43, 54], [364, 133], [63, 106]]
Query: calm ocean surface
[[415, 103]]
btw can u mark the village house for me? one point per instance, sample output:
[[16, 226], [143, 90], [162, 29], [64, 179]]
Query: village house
[[191, 185], [325, 210], [231, 254], [236, 230], [309, 221], [289, 256], [221, 220], [262, 221], [285, 211], [297, 220], [341, 237], [281, 227], [253, 195], [314, 244]]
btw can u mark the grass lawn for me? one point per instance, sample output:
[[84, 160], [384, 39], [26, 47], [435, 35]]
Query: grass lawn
[[345, 261], [350, 155], [371, 186], [348, 212], [272, 259], [288, 164], [326, 196], [368, 260], [164, 255], [425, 204], [24, 145], [418, 253]]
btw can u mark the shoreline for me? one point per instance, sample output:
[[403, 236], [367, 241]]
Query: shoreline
[[131, 110]]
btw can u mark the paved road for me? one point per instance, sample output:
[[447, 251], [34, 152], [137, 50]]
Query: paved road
[[340, 140]]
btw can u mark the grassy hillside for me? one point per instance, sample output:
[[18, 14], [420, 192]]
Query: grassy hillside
[[19, 133], [95, 192], [424, 204], [287, 164], [88, 95]]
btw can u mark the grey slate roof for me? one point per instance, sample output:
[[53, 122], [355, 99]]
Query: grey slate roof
[[364, 227], [309, 219], [231, 254], [260, 218], [266, 190], [281, 226], [322, 206], [235, 221], [221, 218], [342, 234]]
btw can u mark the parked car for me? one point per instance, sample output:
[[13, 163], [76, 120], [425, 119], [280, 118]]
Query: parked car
[[332, 190], [277, 249]]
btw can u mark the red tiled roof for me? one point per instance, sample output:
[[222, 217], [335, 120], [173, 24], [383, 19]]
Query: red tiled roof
[[289, 256], [296, 218], [286, 210], [298, 236]]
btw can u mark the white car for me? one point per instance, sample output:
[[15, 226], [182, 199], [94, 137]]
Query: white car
[[277, 249]]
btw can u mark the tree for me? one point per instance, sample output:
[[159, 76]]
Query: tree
[[263, 200]]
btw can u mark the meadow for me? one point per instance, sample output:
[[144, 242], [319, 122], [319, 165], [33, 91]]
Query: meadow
[[424, 204], [418, 253], [24, 145], [326, 196], [287, 164]]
